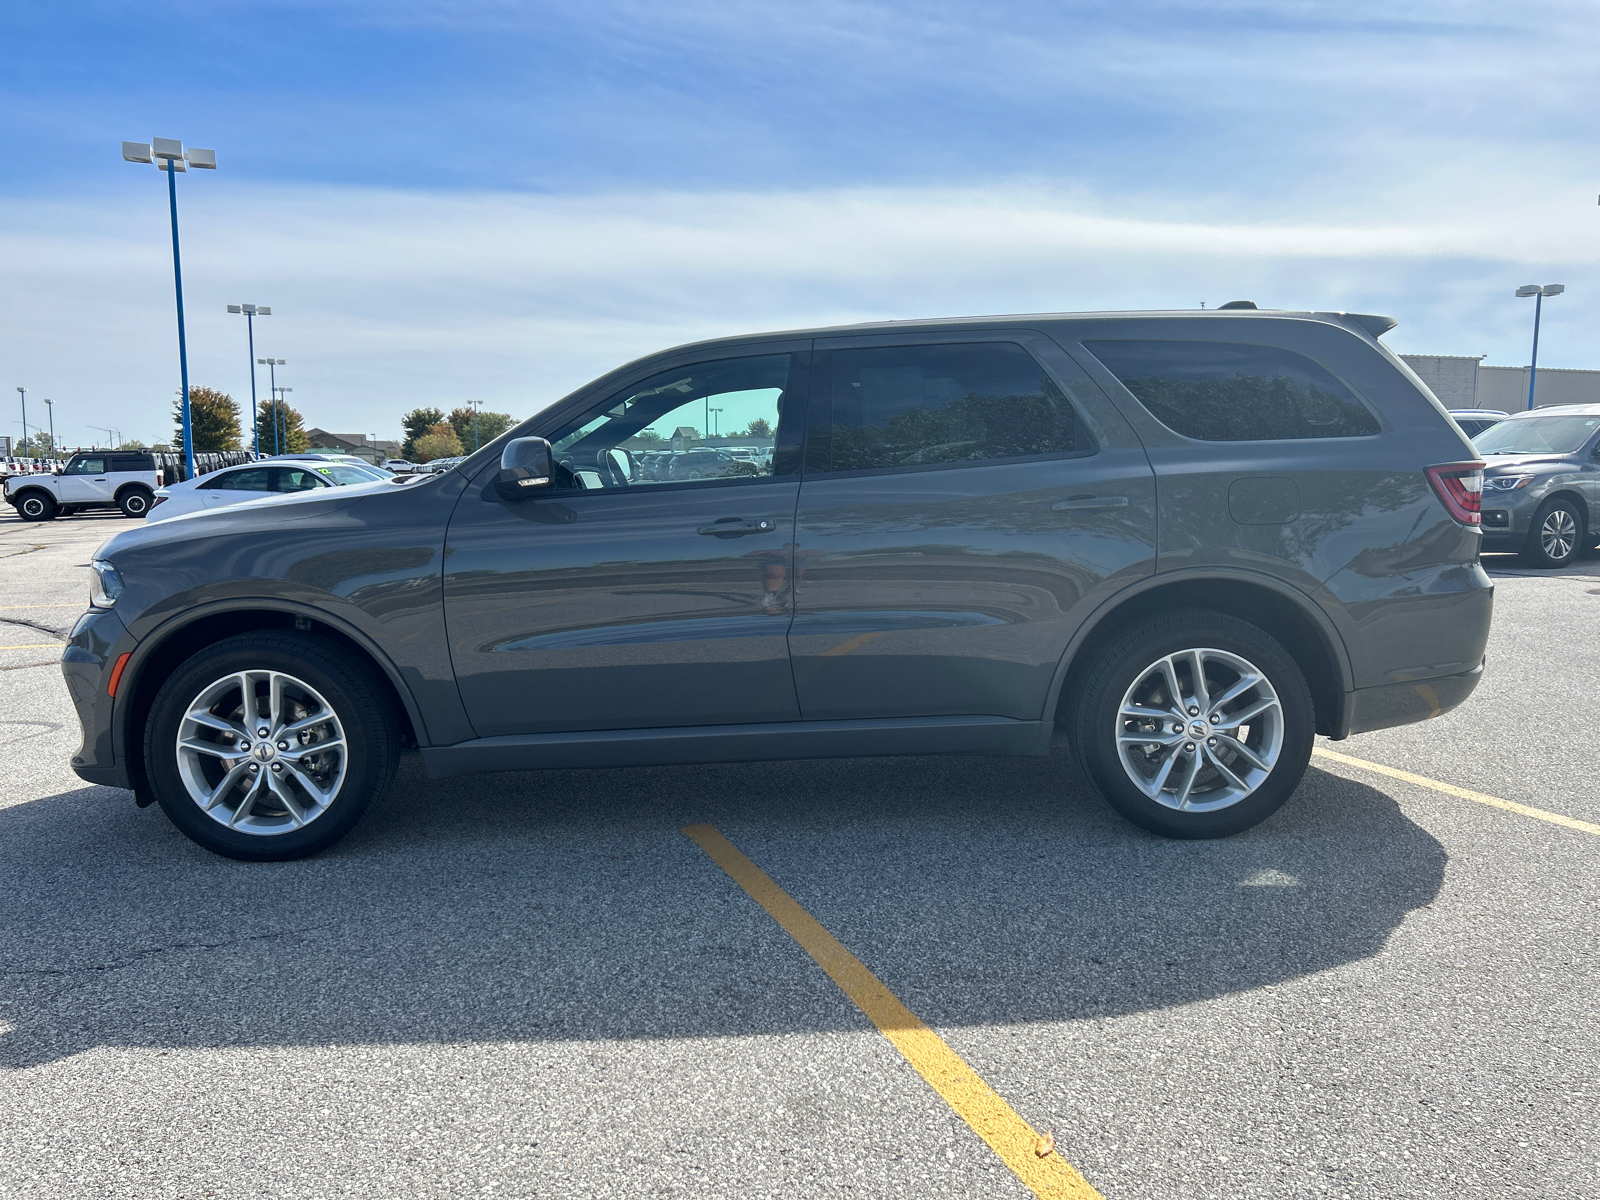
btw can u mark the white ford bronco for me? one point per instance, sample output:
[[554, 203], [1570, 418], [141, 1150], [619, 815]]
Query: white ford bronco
[[95, 479]]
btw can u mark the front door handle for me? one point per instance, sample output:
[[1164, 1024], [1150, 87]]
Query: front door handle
[[732, 527], [1084, 503]]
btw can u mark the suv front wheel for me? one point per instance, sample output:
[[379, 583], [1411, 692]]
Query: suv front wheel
[[36, 506], [269, 746], [1194, 725]]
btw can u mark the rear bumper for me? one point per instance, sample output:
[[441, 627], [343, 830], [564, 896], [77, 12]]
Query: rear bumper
[[1391, 704]]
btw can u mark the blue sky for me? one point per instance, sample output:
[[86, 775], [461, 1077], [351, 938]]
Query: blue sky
[[502, 200]]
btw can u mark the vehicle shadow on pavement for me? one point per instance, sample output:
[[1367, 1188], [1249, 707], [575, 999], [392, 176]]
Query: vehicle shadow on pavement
[[566, 905]]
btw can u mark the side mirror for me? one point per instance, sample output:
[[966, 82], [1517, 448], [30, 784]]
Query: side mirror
[[525, 468]]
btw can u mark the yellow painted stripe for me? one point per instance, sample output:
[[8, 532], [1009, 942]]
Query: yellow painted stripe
[[854, 643], [34, 646], [1450, 789], [22, 607], [974, 1101]]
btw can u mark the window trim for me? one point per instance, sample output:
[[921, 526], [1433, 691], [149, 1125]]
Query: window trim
[[820, 402], [1082, 345]]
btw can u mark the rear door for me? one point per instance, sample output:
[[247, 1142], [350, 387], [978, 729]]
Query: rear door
[[968, 500]]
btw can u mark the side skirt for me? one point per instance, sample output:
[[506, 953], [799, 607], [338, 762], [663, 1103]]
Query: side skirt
[[738, 743]]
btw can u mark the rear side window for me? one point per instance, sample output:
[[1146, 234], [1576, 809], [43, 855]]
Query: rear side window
[[131, 462], [891, 407], [1232, 392]]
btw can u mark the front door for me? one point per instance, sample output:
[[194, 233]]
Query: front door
[[649, 587], [84, 481], [960, 516]]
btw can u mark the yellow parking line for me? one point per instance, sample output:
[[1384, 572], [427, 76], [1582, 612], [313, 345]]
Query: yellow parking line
[[975, 1102], [853, 644], [34, 646], [1450, 789], [20, 607]]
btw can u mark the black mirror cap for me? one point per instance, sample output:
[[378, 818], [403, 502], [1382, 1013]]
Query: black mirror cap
[[525, 468]]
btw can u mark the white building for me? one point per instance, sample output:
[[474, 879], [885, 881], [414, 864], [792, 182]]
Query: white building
[[1462, 381]]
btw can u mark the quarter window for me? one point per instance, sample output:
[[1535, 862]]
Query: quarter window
[[909, 407], [1232, 392]]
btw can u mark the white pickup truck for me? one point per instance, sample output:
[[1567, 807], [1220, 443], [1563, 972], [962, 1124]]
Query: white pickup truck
[[95, 479]]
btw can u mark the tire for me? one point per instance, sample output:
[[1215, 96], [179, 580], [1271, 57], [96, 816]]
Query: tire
[[135, 501], [1227, 789], [1556, 536], [278, 817], [36, 506]]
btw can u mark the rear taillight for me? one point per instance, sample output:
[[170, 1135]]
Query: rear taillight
[[1460, 489]]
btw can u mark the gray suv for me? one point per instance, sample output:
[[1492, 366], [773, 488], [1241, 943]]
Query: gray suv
[[1189, 540], [1541, 482]]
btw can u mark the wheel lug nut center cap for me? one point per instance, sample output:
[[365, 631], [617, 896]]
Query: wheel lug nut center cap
[[264, 752]]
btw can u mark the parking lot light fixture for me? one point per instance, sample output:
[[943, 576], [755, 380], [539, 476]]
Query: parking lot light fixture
[[476, 405], [279, 417], [168, 155], [1538, 293], [272, 365], [251, 312], [23, 392], [49, 407]]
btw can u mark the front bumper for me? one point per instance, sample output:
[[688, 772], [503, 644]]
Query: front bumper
[[93, 647]]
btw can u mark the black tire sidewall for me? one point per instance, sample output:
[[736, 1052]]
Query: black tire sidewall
[[1533, 552], [135, 496], [372, 746], [1132, 653], [46, 511]]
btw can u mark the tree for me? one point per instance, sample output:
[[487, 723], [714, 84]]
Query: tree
[[292, 437], [760, 427], [416, 423], [648, 437], [439, 442], [135, 444], [214, 418], [490, 425]]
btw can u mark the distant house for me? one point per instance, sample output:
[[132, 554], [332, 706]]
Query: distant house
[[359, 444]]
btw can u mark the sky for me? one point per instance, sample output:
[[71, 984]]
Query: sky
[[498, 201]]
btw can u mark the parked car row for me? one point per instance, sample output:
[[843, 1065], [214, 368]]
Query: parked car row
[[27, 466]]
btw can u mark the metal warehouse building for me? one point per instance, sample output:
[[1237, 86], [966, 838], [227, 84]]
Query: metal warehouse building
[[1462, 381]]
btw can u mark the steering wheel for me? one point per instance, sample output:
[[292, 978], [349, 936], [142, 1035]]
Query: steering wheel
[[612, 472]]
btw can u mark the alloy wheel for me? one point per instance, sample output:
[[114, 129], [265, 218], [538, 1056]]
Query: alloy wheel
[[262, 752], [1558, 534], [1199, 730]]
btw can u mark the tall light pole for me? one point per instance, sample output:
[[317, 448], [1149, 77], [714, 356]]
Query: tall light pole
[[1538, 293], [476, 405], [718, 411], [169, 156], [272, 365], [104, 430], [251, 312], [280, 417], [23, 392], [50, 407]]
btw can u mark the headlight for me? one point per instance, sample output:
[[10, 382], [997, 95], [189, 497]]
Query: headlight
[[1506, 483], [105, 585]]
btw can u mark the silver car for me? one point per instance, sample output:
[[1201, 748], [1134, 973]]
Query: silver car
[[1541, 482]]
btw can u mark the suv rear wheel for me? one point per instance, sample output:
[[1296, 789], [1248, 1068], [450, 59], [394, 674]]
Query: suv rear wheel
[[1194, 725], [135, 501], [1556, 535], [269, 746], [36, 506]]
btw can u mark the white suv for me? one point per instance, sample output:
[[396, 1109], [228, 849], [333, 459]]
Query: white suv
[[97, 479]]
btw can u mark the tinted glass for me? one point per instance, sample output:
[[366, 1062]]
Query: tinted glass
[[1230, 392], [1537, 435], [656, 431], [343, 473], [920, 406], [297, 479], [86, 466], [254, 480]]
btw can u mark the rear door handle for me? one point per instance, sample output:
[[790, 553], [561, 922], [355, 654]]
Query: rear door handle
[[1084, 503], [731, 527]]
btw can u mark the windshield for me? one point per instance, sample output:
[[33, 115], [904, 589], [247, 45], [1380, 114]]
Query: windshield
[[1536, 435], [343, 473]]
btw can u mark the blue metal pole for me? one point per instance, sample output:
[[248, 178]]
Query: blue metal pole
[[1533, 370], [255, 409], [183, 345]]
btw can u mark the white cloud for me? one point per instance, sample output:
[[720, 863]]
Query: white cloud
[[385, 300]]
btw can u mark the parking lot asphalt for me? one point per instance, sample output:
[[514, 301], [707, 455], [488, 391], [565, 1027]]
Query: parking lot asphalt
[[537, 985]]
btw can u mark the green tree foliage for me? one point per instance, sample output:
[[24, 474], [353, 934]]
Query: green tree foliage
[[439, 442], [292, 437], [213, 416], [135, 444], [490, 425], [416, 423], [760, 427]]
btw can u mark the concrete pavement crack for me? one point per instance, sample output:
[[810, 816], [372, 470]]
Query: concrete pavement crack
[[55, 633], [153, 951]]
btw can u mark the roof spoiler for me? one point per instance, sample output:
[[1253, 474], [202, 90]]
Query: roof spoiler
[[1375, 325]]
